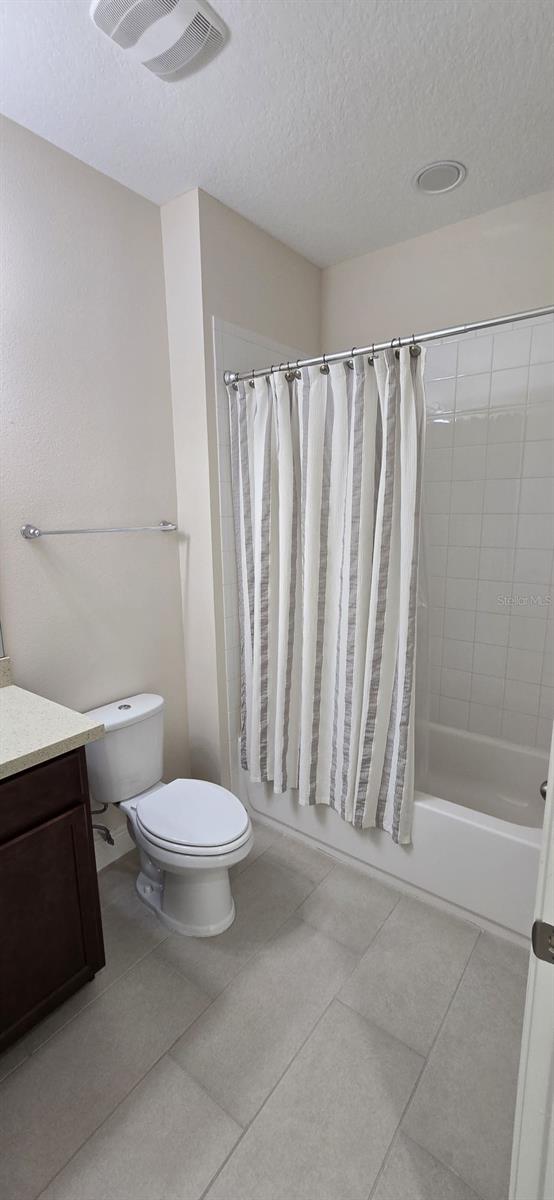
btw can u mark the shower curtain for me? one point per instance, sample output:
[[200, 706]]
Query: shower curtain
[[326, 478]]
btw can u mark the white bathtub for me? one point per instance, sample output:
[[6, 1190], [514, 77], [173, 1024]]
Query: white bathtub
[[476, 833]]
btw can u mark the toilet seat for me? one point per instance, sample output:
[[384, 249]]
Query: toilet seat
[[193, 817]]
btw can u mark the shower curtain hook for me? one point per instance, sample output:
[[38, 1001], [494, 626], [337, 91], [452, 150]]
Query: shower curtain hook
[[251, 382], [325, 368], [350, 362], [298, 372]]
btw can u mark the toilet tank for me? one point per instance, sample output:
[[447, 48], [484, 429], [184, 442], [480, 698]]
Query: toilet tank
[[128, 759]]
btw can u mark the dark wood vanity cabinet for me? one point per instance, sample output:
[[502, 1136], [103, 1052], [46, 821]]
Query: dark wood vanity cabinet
[[50, 926]]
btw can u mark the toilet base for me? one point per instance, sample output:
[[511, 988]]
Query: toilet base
[[197, 903]]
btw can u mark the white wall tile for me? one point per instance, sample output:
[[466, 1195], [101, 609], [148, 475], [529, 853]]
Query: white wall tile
[[438, 465], [542, 346], [468, 462], [490, 660], [522, 697], [506, 424], [509, 387], [540, 422], [462, 562], [501, 496], [492, 628], [475, 355], [435, 559], [436, 498], [439, 396], [532, 566], [544, 733], [504, 460], [537, 495], [441, 361], [511, 348], [485, 720], [546, 705], [467, 496], [525, 665], [487, 689], [535, 532], [461, 593], [436, 526], [464, 530], [459, 624], [541, 383], [527, 635], [456, 684], [455, 654], [518, 728], [436, 589], [470, 428], [472, 391], [499, 530], [440, 431], [538, 458], [496, 563], [454, 712]]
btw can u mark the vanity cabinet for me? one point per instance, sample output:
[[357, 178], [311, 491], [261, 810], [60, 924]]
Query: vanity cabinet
[[50, 925]]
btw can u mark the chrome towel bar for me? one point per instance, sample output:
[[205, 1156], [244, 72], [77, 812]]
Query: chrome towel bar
[[30, 532]]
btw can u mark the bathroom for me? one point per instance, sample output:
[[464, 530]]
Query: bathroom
[[273, 1001]]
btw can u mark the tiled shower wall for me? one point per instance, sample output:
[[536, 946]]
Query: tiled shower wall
[[488, 532]]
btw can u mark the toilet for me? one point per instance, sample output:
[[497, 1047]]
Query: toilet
[[187, 832]]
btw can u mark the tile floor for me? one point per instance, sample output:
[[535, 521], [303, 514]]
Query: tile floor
[[339, 1042]]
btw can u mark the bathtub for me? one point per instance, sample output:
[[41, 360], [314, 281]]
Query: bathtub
[[476, 833]]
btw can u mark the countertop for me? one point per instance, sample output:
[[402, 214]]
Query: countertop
[[33, 729]]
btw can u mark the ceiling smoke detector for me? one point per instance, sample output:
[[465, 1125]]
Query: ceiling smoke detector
[[440, 176], [171, 38]]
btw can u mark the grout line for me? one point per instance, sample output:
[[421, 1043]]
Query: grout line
[[302, 1044], [426, 1060]]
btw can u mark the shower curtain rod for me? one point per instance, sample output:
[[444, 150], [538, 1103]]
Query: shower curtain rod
[[394, 344]]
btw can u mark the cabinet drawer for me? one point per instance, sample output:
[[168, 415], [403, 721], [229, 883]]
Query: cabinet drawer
[[41, 792]]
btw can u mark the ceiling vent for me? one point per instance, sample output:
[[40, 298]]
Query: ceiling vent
[[172, 38]]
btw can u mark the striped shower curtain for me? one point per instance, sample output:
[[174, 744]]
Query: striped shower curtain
[[326, 476]]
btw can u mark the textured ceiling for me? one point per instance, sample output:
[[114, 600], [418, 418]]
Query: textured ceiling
[[313, 119]]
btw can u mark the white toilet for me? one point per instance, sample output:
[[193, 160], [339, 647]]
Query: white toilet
[[188, 832]]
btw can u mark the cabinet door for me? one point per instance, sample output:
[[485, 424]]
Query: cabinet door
[[51, 940]]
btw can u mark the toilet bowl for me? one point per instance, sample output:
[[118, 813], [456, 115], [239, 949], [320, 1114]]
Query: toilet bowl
[[188, 832]]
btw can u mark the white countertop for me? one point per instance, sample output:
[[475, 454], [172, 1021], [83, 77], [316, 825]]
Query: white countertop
[[33, 729]]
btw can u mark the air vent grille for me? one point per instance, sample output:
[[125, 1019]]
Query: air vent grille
[[200, 33], [165, 35], [139, 19]]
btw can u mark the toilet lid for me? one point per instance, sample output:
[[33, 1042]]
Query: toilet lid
[[192, 812]]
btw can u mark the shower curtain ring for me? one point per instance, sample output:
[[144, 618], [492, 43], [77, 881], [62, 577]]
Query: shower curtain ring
[[251, 382], [298, 372], [325, 368], [350, 362]]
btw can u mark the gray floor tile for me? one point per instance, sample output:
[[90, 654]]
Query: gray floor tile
[[265, 897], [413, 1174], [239, 1048], [164, 1142], [408, 976], [264, 837], [130, 932], [325, 1130], [463, 1108], [117, 881], [59, 1096], [14, 1056], [349, 906], [297, 855]]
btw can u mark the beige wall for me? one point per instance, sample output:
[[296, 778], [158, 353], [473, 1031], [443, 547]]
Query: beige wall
[[218, 264], [499, 262], [86, 438]]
